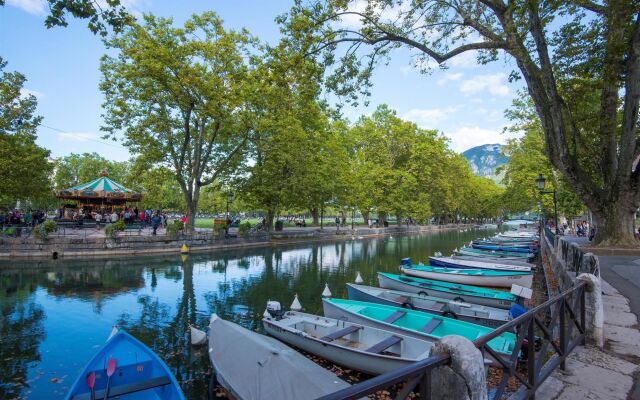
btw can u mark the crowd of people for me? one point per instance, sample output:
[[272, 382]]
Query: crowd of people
[[16, 218]]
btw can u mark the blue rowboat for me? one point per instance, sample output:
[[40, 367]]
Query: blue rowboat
[[457, 292], [520, 245], [512, 249], [139, 374]]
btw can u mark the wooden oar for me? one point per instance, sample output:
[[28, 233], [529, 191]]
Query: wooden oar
[[111, 368], [91, 382]]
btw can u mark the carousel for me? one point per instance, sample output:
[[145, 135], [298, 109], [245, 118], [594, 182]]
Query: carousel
[[100, 195]]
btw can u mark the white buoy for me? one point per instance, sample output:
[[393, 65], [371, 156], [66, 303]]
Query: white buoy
[[359, 279], [296, 306], [198, 337], [326, 293], [420, 263], [456, 250]]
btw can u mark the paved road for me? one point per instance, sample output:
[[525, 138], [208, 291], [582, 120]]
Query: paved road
[[623, 273]]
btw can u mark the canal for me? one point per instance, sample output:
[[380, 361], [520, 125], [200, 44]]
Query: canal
[[56, 314]]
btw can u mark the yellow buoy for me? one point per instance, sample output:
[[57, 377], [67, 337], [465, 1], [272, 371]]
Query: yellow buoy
[[184, 249], [184, 257]]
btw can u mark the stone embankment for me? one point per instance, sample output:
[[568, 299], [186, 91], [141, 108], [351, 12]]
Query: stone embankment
[[90, 243]]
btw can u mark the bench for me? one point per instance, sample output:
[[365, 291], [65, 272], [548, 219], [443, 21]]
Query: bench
[[383, 345], [341, 333], [394, 317], [431, 325], [136, 226], [120, 390]]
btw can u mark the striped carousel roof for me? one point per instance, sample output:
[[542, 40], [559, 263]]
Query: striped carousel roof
[[102, 184]]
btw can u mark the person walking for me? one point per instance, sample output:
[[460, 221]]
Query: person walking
[[155, 222], [337, 223]]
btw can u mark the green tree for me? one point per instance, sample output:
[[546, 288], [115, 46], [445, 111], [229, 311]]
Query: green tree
[[182, 98], [101, 15], [75, 169], [25, 165], [579, 60]]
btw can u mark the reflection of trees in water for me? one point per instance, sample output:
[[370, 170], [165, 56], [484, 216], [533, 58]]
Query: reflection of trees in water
[[22, 331], [167, 334]]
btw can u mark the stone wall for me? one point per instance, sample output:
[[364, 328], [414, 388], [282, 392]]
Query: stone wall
[[134, 244], [567, 260]]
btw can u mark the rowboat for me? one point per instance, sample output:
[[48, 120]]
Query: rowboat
[[251, 366], [413, 323], [474, 313], [520, 245], [519, 235], [511, 249], [496, 260], [493, 253], [463, 293], [455, 263], [479, 277], [136, 373], [361, 347]]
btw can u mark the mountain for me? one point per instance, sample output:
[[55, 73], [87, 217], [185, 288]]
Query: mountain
[[484, 160]]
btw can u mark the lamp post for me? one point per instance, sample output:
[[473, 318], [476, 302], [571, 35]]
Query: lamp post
[[540, 182], [229, 200]]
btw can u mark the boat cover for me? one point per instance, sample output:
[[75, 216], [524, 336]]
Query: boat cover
[[254, 366]]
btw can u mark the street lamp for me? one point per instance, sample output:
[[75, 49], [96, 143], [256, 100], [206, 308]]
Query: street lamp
[[229, 200], [540, 182]]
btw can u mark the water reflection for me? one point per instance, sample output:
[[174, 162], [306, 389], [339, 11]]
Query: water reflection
[[55, 314]]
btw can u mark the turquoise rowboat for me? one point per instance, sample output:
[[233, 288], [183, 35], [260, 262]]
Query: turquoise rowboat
[[464, 293], [139, 373], [479, 277], [413, 323], [493, 253]]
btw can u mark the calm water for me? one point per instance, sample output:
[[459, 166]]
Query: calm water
[[55, 315]]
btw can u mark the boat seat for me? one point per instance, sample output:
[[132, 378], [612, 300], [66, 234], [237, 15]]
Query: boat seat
[[341, 333], [394, 317], [431, 325], [402, 299], [437, 306], [383, 345], [128, 388]]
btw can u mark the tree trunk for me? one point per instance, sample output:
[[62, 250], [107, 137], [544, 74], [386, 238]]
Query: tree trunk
[[398, 218], [314, 215], [270, 216], [614, 225], [192, 207], [365, 215]]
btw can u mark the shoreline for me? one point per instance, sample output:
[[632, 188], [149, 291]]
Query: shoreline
[[70, 247]]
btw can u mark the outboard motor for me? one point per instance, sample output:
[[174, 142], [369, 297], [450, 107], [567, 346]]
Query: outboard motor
[[406, 262], [274, 309]]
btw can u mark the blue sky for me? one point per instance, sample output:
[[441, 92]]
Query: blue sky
[[465, 102]]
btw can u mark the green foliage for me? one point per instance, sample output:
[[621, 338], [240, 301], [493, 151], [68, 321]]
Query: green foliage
[[182, 97], [75, 169], [42, 231], [174, 228], [244, 227], [112, 229], [25, 165]]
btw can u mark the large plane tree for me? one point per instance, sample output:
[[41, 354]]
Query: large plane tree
[[182, 99], [580, 61]]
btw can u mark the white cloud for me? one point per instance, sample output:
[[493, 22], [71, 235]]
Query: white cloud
[[449, 76], [30, 92], [36, 7], [494, 84], [78, 136], [427, 117]]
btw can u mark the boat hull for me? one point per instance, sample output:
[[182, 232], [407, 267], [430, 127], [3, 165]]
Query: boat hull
[[137, 369], [475, 314], [360, 360], [505, 281], [432, 290], [450, 262]]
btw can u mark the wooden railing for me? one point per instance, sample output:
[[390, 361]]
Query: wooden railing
[[545, 336]]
